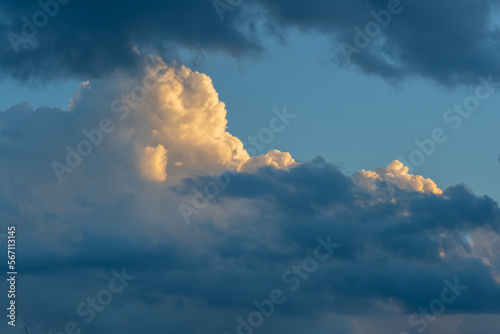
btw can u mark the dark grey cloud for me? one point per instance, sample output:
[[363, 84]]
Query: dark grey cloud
[[88, 39], [451, 42], [391, 248]]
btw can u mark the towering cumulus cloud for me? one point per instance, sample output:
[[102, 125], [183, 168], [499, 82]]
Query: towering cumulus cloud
[[184, 115], [170, 120]]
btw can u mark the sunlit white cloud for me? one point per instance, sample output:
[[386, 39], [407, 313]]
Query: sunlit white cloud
[[152, 162], [183, 115], [397, 173]]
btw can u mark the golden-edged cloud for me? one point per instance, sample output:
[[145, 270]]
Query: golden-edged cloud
[[397, 173], [184, 116], [152, 162]]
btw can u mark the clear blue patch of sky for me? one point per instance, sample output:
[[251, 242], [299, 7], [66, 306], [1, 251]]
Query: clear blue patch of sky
[[51, 94]]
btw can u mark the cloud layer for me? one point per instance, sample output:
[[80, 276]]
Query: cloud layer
[[397, 248], [451, 42]]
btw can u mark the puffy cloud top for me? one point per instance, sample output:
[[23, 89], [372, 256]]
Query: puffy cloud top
[[183, 114], [397, 173], [167, 123]]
